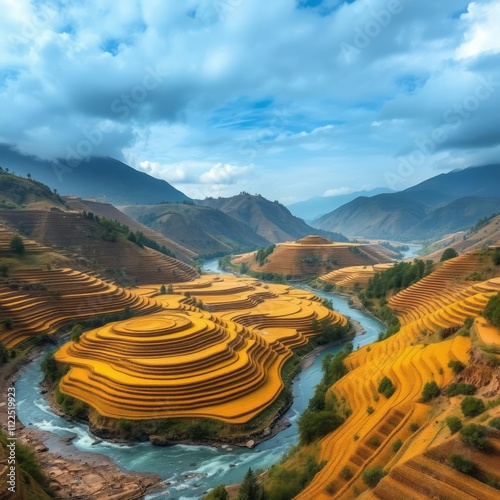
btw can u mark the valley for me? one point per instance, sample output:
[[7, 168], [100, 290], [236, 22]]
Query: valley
[[163, 361]]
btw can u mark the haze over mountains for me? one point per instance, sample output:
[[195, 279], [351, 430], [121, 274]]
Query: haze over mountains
[[317, 206], [271, 220], [445, 203], [440, 205], [105, 179]]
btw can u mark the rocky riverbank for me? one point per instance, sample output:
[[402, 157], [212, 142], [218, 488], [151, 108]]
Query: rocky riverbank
[[72, 473]]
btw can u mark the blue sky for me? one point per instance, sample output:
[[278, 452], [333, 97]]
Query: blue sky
[[290, 99]]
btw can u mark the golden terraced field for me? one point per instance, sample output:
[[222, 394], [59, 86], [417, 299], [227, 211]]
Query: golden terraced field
[[183, 361], [438, 302]]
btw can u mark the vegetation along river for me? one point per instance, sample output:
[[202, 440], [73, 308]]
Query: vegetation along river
[[189, 470]]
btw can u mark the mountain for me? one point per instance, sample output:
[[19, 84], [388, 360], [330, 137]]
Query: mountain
[[319, 205], [486, 232], [204, 230], [112, 213], [445, 203], [269, 219], [20, 193], [105, 179]]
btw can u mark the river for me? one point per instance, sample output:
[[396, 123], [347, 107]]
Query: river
[[190, 470]]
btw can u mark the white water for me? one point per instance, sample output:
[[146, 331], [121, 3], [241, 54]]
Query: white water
[[191, 470]]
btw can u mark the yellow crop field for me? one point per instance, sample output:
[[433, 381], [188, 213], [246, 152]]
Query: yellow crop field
[[439, 302], [224, 362]]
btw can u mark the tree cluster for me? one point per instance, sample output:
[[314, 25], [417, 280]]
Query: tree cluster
[[401, 276]]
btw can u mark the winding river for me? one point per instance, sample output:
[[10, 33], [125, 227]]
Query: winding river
[[188, 471]]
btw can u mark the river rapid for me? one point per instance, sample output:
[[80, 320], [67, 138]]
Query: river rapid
[[188, 471]]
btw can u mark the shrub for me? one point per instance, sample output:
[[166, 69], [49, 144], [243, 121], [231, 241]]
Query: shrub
[[454, 424], [475, 435], [471, 406], [386, 387], [414, 426], [373, 475], [313, 425], [346, 473], [355, 437], [495, 422], [461, 464], [370, 409], [17, 245], [218, 493], [76, 333], [492, 310], [396, 445], [449, 253], [461, 388], [331, 488], [430, 391], [250, 489], [456, 366]]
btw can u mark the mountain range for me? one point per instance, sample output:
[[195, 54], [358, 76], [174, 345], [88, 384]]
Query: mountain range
[[315, 207], [446, 203], [269, 219], [102, 179]]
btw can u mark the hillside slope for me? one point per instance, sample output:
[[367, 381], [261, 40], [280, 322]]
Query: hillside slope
[[270, 220], [98, 245], [445, 203], [106, 179], [203, 230], [485, 232], [112, 213], [315, 207]]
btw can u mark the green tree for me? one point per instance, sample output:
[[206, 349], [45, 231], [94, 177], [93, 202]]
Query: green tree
[[461, 388], [449, 253], [454, 424], [250, 489], [386, 387], [492, 310], [471, 406], [163, 290], [373, 475], [218, 493], [4, 354], [313, 425], [456, 366], [430, 391], [17, 245], [76, 333], [461, 464], [476, 436]]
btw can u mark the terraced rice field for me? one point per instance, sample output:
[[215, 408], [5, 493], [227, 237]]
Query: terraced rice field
[[182, 361], [440, 301], [429, 475], [354, 276], [38, 302], [313, 255], [74, 234]]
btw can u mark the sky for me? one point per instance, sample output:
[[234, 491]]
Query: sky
[[286, 98]]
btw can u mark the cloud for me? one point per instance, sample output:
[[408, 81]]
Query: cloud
[[196, 91], [481, 36], [337, 191], [224, 174]]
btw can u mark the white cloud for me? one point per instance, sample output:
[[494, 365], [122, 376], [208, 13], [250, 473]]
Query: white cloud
[[337, 191], [248, 82], [223, 173], [481, 37]]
